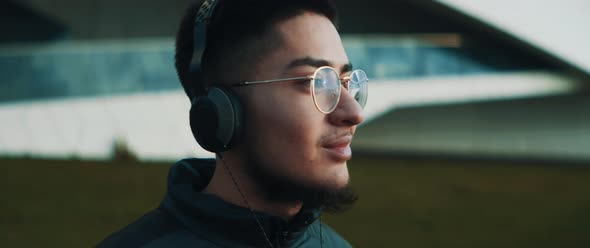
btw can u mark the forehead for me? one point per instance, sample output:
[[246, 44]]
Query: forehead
[[307, 35]]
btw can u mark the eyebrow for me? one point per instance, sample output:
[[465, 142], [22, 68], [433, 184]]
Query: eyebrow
[[314, 62]]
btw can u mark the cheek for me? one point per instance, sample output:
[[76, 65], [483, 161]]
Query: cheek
[[285, 134], [287, 128]]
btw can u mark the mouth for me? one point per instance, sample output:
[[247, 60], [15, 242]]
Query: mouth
[[339, 148]]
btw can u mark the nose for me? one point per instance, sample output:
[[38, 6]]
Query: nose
[[348, 112]]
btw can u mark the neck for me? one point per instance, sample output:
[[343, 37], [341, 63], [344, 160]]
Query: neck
[[231, 183]]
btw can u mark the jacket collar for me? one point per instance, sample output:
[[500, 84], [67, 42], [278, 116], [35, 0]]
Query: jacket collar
[[211, 217]]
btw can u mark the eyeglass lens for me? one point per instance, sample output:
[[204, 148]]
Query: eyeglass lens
[[326, 88], [358, 87]]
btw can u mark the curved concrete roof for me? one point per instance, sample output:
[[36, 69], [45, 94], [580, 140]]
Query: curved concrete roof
[[557, 27]]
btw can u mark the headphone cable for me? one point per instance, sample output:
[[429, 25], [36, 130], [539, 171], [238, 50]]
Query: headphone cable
[[252, 211], [246, 201]]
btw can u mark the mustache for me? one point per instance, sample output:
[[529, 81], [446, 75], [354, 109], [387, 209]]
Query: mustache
[[336, 135]]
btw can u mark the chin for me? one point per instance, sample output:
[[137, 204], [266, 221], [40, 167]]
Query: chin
[[339, 178]]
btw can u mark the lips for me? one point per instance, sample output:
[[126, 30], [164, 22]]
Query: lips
[[339, 148], [339, 142]]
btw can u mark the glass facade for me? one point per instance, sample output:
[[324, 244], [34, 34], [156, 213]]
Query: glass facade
[[101, 68]]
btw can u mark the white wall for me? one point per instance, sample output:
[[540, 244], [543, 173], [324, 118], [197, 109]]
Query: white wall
[[154, 126], [555, 127]]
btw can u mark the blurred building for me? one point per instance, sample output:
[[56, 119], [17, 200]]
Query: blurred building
[[493, 79]]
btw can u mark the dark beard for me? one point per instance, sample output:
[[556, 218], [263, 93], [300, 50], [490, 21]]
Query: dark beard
[[280, 188]]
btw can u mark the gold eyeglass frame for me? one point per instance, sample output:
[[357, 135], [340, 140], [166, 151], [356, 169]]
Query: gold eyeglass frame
[[343, 81]]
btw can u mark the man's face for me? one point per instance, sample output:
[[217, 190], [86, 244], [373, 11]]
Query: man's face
[[285, 134]]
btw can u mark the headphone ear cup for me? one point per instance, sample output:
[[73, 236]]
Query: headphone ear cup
[[216, 119]]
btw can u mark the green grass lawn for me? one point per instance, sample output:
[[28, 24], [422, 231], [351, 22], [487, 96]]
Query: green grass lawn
[[403, 203]]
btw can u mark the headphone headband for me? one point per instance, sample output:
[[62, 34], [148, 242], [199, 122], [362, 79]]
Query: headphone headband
[[206, 10], [216, 114], [201, 23]]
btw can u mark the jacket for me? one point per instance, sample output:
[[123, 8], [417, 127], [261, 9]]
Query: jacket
[[188, 218]]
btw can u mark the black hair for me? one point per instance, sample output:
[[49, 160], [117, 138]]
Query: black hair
[[233, 36]]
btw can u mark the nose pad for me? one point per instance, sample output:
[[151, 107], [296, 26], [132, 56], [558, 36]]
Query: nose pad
[[346, 84]]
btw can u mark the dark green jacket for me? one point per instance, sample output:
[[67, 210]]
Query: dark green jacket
[[188, 218]]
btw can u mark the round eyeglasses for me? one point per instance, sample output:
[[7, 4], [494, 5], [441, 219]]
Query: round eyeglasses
[[325, 87]]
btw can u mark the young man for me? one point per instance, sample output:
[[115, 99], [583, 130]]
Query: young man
[[294, 102]]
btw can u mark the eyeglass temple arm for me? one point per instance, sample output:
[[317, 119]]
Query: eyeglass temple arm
[[271, 81], [347, 79]]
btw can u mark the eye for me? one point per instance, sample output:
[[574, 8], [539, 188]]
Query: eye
[[304, 82], [303, 85]]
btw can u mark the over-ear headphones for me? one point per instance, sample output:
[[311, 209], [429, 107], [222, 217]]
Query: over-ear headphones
[[216, 119], [215, 115]]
